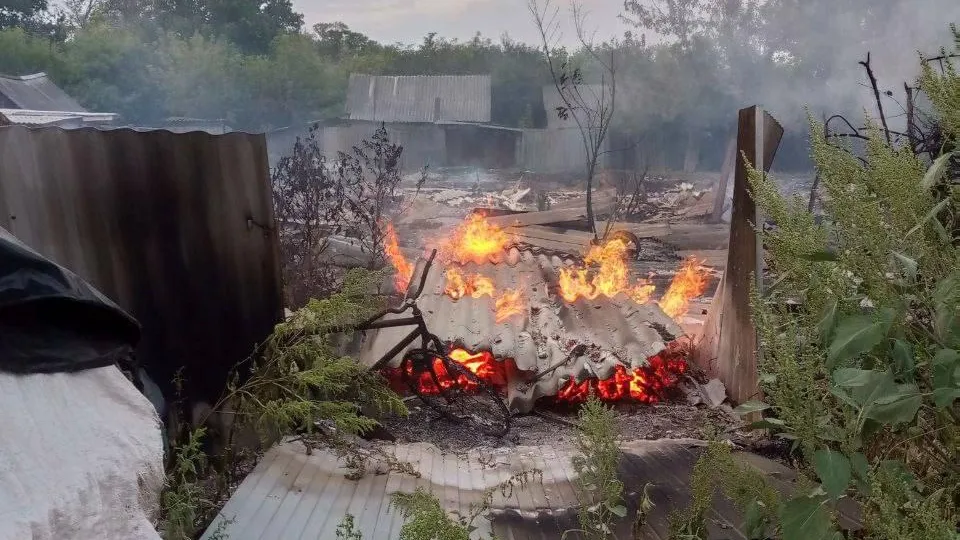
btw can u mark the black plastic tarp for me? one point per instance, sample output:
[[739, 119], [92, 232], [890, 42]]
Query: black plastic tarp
[[51, 320]]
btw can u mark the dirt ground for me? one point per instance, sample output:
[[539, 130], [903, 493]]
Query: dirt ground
[[674, 420]]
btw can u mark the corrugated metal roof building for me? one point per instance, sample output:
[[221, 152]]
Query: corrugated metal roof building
[[35, 92], [419, 98]]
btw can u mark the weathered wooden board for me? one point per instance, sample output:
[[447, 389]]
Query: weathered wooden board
[[728, 348]]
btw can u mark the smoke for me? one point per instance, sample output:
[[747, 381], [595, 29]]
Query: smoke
[[895, 42]]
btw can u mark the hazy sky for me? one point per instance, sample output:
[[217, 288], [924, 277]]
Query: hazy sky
[[407, 21]]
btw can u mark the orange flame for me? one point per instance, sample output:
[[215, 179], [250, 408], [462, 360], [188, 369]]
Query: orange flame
[[646, 384], [403, 269], [609, 279], [475, 239], [510, 303], [689, 283], [474, 285]]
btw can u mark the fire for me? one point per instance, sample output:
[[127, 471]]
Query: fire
[[609, 279], [646, 384], [689, 283], [403, 269], [510, 303], [474, 285], [475, 238], [482, 364]]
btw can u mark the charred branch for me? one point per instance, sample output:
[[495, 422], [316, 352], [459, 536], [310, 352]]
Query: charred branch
[[876, 94]]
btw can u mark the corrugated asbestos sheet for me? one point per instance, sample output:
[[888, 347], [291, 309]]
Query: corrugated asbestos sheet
[[37, 92], [176, 228], [616, 331], [424, 145], [294, 496], [62, 119], [555, 150], [419, 98]]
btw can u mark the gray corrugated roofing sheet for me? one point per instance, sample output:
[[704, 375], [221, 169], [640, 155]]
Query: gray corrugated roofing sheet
[[37, 92], [419, 98], [616, 330], [294, 496], [48, 118]]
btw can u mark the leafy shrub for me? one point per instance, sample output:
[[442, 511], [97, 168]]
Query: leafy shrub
[[295, 379], [864, 376], [601, 490]]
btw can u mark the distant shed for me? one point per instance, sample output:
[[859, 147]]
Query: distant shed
[[419, 98]]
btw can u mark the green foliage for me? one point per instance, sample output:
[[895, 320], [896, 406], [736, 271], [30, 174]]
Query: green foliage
[[208, 63], [24, 53], [299, 378], [717, 470], [943, 92], [601, 491], [295, 380], [425, 519], [184, 499], [863, 376], [346, 530]]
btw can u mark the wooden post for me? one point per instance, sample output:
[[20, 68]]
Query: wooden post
[[728, 348], [721, 195]]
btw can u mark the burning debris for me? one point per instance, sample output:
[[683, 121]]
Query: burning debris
[[610, 279], [689, 283], [402, 268], [537, 326], [475, 240]]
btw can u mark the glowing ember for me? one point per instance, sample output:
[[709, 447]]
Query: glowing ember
[[475, 239], [457, 286], [510, 303], [689, 283], [609, 279], [481, 364], [403, 269], [646, 384]]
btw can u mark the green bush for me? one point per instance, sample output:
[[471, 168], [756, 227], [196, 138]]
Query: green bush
[[296, 379], [864, 376]]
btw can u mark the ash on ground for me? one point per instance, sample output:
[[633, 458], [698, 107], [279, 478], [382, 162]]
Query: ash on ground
[[668, 420]]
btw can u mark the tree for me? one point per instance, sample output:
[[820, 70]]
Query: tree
[[252, 25], [369, 176], [21, 13], [336, 40], [106, 69], [682, 20], [292, 85], [590, 107], [25, 53], [79, 13], [198, 77]]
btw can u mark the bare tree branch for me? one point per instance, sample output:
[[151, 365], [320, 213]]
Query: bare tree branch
[[876, 94], [593, 117]]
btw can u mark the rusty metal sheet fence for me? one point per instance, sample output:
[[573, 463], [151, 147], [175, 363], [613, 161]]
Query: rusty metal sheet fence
[[176, 228]]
